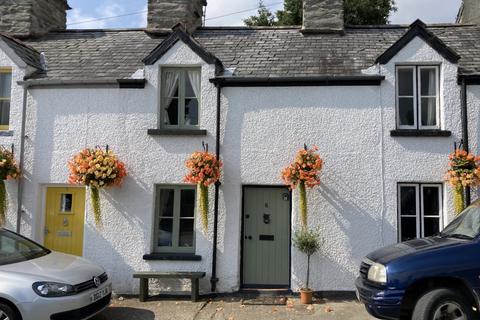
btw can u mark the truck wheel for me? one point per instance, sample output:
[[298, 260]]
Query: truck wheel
[[442, 304], [7, 313]]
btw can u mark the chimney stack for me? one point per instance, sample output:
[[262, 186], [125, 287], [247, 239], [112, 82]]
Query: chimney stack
[[24, 18], [322, 16], [164, 14], [469, 12]]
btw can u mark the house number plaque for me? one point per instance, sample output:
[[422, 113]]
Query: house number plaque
[[64, 234]]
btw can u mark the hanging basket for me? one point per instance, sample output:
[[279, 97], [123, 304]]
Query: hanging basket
[[9, 170], [303, 173], [96, 169], [463, 172], [204, 170]]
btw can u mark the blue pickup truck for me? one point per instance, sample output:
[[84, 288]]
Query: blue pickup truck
[[435, 278]]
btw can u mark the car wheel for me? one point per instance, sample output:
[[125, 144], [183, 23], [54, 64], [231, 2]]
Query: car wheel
[[7, 313], [442, 304]]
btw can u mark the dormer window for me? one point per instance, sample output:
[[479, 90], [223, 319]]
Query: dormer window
[[418, 103], [180, 98], [5, 97]]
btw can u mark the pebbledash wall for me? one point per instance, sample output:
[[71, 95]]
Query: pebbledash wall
[[262, 128]]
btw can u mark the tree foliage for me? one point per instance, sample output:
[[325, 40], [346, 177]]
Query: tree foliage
[[357, 12]]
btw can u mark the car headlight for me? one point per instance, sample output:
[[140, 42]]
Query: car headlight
[[377, 273], [53, 289]]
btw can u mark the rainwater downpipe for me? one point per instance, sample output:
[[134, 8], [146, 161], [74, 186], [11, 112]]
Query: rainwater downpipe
[[22, 158], [464, 114]]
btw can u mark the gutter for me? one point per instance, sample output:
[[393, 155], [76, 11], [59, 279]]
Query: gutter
[[22, 159], [214, 279], [362, 80], [113, 83]]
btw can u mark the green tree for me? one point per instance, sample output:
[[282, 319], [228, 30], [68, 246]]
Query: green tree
[[357, 12], [264, 18]]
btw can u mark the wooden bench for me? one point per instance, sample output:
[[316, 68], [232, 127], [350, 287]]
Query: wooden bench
[[144, 276]]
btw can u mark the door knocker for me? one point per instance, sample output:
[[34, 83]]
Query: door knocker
[[266, 218], [65, 222]]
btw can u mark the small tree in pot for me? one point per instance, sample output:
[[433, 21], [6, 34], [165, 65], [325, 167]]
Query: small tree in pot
[[307, 242]]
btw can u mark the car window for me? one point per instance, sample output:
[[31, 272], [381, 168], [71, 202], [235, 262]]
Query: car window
[[467, 224], [14, 248]]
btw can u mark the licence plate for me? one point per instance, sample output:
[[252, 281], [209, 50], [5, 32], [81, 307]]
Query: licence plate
[[97, 295]]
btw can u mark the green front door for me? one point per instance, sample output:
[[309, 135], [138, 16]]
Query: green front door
[[266, 237]]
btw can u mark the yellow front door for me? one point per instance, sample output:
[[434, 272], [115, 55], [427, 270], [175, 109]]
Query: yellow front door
[[64, 220]]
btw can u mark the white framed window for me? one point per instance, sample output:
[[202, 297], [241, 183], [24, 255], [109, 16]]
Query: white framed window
[[180, 97], [420, 210], [418, 98], [5, 97], [175, 218]]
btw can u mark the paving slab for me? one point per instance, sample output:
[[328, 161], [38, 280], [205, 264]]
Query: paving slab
[[231, 309]]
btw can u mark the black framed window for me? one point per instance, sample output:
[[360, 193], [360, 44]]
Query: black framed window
[[418, 102], [420, 208]]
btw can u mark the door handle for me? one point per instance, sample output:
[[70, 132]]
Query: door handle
[[46, 231]]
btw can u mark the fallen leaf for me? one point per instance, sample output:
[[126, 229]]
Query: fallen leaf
[[231, 318], [328, 309], [274, 310], [121, 298], [310, 307]]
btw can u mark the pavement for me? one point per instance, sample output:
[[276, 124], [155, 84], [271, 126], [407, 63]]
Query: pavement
[[231, 309]]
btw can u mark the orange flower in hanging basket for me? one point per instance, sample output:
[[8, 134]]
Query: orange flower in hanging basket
[[9, 170]]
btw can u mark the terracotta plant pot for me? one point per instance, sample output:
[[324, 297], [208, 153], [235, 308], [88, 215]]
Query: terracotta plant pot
[[306, 296]]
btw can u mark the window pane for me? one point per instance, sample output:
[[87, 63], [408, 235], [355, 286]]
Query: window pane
[[431, 198], [5, 85], [166, 202], [428, 82], [171, 111], [170, 83], [4, 113], [165, 232], [408, 201], [66, 202], [186, 233], [409, 228], [431, 226], [406, 111], [191, 112], [187, 205], [429, 111], [192, 84], [405, 82]]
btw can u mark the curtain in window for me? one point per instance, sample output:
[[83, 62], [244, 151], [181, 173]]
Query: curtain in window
[[171, 85], [195, 80], [432, 103]]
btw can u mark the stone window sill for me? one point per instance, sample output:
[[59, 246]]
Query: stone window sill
[[420, 133], [6, 133], [172, 256], [177, 132]]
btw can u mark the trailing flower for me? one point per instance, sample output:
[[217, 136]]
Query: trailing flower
[[303, 173], [464, 171], [96, 169], [9, 170], [204, 170]]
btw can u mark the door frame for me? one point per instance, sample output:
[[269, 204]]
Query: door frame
[[242, 238], [43, 203]]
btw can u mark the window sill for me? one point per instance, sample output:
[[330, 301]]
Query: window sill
[[177, 132], [172, 256], [6, 133], [420, 133]]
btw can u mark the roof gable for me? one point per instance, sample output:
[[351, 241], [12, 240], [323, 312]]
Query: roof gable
[[21, 53], [419, 29], [180, 35]]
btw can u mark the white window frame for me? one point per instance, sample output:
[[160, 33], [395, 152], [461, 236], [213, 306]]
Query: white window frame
[[8, 70], [419, 215], [417, 97]]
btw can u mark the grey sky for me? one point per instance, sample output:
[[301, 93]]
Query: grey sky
[[430, 11]]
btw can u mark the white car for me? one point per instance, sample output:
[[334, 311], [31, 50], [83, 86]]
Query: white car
[[38, 284]]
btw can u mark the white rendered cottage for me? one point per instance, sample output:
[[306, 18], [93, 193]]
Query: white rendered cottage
[[384, 104]]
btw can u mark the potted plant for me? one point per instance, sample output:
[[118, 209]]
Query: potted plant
[[9, 170], [96, 169], [463, 172], [307, 242], [303, 173]]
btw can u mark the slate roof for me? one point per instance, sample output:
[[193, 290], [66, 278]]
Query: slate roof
[[253, 52], [29, 55]]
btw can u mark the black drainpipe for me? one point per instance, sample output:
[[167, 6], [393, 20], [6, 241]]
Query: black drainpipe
[[464, 113], [214, 279]]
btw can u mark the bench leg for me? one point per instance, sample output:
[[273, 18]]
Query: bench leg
[[143, 289], [195, 290]]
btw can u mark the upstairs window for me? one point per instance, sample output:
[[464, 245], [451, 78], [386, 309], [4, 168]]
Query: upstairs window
[[420, 210], [5, 97], [180, 98], [418, 103]]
